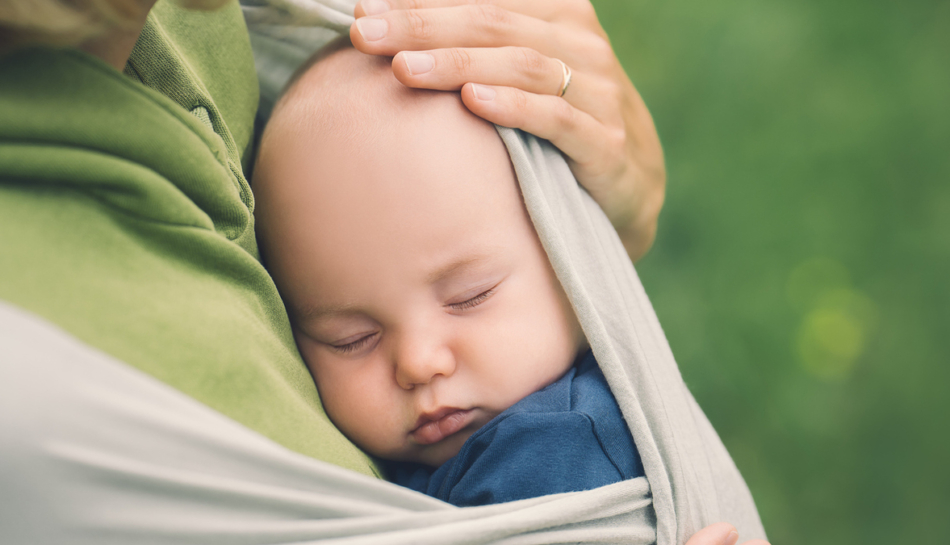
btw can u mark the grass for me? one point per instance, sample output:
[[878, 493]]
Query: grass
[[802, 267]]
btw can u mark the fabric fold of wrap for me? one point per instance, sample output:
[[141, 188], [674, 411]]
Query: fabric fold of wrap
[[693, 479], [97, 452]]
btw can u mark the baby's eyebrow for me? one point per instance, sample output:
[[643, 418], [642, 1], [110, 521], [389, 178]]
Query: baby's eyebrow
[[310, 312], [453, 266]]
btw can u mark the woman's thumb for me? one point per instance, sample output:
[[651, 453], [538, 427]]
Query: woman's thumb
[[721, 533]]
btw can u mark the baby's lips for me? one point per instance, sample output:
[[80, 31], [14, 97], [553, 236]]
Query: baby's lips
[[444, 424], [431, 416]]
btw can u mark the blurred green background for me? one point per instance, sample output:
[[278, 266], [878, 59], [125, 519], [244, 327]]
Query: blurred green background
[[802, 266]]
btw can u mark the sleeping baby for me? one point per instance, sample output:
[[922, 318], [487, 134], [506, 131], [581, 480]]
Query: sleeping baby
[[421, 299]]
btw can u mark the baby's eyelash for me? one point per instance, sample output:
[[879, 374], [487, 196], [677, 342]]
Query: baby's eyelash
[[355, 345], [474, 301]]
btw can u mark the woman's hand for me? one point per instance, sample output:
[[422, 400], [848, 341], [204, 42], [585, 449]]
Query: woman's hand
[[720, 533], [504, 55]]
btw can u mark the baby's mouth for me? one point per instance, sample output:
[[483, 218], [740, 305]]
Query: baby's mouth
[[437, 425]]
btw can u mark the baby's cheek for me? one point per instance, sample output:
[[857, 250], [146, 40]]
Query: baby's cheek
[[357, 404], [545, 344]]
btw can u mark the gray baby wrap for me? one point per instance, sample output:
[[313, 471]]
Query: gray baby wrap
[[171, 470]]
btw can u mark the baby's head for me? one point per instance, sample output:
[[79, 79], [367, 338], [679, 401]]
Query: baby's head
[[419, 294]]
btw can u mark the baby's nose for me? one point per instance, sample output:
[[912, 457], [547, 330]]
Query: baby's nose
[[419, 365]]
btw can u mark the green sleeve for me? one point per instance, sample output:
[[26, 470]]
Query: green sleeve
[[126, 219]]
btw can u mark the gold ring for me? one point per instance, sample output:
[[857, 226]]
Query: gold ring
[[565, 78]]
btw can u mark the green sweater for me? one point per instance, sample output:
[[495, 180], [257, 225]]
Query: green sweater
[[126, 220]]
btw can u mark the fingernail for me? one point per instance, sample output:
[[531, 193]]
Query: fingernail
[[418, 63], [731, 538], [372, 29], [375, 7], [482, 92]]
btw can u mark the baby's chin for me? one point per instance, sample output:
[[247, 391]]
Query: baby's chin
[[437, 454]]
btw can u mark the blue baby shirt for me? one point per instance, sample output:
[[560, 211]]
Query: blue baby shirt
[[566, 437]]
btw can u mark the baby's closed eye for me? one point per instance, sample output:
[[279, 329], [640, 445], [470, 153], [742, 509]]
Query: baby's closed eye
[[348, 346], [473, 301]]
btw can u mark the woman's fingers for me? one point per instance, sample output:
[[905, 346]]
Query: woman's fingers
[[458, 26], [519, 67], [476, 25], [589, 144], [449, 69], [577, 11]]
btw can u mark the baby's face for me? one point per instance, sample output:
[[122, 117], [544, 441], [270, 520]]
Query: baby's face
[[420, 296]]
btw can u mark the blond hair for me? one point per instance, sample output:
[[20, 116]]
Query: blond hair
[[60, 22]]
